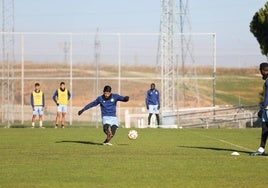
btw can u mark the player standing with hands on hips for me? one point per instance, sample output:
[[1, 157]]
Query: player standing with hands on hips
[[153, 103], [107, 102], [61, 97], [38, 104]]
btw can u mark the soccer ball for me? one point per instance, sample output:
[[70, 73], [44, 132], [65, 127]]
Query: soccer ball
[[132, 134]]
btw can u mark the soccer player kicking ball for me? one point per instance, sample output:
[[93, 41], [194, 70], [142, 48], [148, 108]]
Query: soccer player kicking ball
[[107, 102]]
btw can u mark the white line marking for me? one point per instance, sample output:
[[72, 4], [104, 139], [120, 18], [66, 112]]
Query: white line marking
[[224, 141]]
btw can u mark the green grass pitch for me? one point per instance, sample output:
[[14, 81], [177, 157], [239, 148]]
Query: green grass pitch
[[74, 157]]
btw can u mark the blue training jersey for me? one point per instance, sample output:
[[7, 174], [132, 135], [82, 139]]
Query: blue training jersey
[[152, 97], [108, 106], [264, 104]]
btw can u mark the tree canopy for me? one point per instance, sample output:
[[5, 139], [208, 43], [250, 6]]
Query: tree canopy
[[259, 28]]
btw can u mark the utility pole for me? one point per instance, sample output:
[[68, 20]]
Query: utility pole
[[97, 64], [8, 61]]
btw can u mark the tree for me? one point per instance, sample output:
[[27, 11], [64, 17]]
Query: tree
[[259, 28]]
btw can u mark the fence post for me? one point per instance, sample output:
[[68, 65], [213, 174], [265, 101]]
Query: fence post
[[127, 119]]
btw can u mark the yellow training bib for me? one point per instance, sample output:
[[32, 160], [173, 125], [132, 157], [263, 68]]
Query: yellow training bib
[[38, 98], [62, 97]]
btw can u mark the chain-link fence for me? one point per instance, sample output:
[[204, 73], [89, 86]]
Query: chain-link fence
[[87, 62]]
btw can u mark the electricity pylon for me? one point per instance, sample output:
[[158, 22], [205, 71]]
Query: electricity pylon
[[175, 55]]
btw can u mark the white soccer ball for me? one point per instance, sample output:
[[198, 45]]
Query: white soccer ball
[[132, 134]]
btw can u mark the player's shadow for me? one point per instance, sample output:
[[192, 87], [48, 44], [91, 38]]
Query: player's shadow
[[79, 142], [216, 149], [85, 142]]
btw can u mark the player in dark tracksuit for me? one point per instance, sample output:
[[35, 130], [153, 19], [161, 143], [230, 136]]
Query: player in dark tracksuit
[[107, 102], [263, 113], [153, 103]]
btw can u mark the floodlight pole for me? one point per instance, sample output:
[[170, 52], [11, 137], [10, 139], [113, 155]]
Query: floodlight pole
[[22, 79], [119, 72], [7, 82], [214, 70], [71, 77]]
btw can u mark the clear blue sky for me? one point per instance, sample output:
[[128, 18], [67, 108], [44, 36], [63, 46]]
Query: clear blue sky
[[229, 19]]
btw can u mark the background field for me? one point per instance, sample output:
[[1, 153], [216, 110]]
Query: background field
[[238, 86], [234, 86], [73, 157]]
